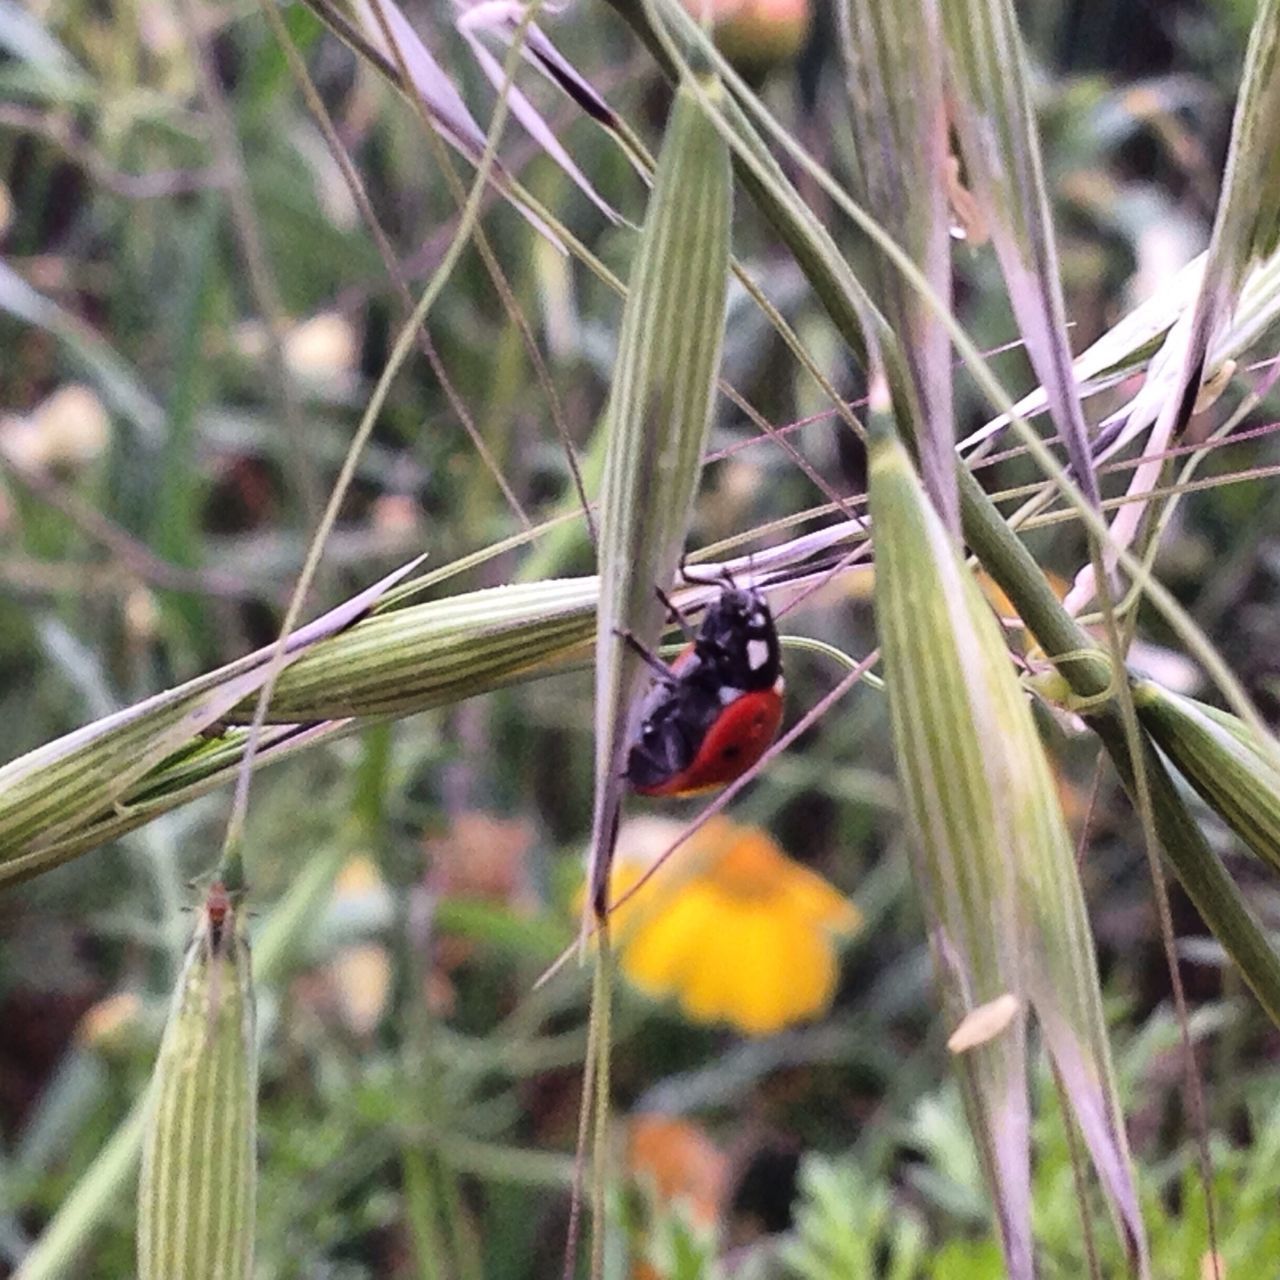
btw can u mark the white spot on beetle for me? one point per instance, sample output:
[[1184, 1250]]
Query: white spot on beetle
[[729, 694], [757, 653]]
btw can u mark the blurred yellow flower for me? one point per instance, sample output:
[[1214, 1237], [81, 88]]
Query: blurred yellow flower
[[732, 928]]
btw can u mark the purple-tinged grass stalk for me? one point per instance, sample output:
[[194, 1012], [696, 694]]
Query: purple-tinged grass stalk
[[365, 28], [1246, 231], [995, 125], [893, 64], [995, 865]]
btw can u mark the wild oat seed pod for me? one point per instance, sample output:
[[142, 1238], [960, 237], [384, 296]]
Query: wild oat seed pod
[[199, 1171], [995, 865], [1219, 755]]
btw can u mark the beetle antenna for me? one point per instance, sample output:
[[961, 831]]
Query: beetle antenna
[[725, 575], [677, 614]]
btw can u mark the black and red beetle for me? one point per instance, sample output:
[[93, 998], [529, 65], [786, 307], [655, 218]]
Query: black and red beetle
[[713, 713]]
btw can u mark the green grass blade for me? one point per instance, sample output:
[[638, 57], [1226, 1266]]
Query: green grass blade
[[1215, 894], [657, 423], [52, 791], [1217, 753], [199, 1163], [996, 128], [941, 718], [89, 1202], [893, 61]]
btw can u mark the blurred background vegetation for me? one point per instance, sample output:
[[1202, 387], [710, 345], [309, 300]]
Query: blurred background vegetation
[[192, 315]]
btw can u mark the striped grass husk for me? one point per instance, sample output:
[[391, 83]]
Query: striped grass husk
[[995, 865], [1234, 773], [199, 1170], [658, 419]]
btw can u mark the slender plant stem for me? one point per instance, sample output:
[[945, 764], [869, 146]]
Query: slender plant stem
[[299, 457], [355, 186], [232, 858], [601, 1010], [420, 1211], [483, 247]]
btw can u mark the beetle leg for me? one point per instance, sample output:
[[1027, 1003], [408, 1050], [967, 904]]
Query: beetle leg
[[652, 661]]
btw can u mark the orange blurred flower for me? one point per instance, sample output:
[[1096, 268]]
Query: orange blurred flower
[[756, 35], [733, 929], [482, 857], [681, 1175], [676, 1161]]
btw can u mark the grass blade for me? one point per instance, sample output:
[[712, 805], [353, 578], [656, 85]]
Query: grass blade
[[51, 791], [657, 423], [995, 124], [1235, 774], [934, 672], [893, 61], [199, 1164], [996, 867], [93, 1197]]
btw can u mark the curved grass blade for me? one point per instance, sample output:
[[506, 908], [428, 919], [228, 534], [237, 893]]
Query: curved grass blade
[[417, 657], [1235, 774], [657, 422], [1200, 871], [51, 791], [893, 61], [995, 124]]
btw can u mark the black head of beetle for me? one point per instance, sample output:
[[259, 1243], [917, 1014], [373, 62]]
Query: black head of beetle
[[737, 644]]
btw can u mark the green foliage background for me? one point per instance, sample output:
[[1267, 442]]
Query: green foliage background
[[438, 1142]]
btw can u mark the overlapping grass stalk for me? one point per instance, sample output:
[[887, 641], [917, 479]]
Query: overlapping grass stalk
[[656, 426]]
